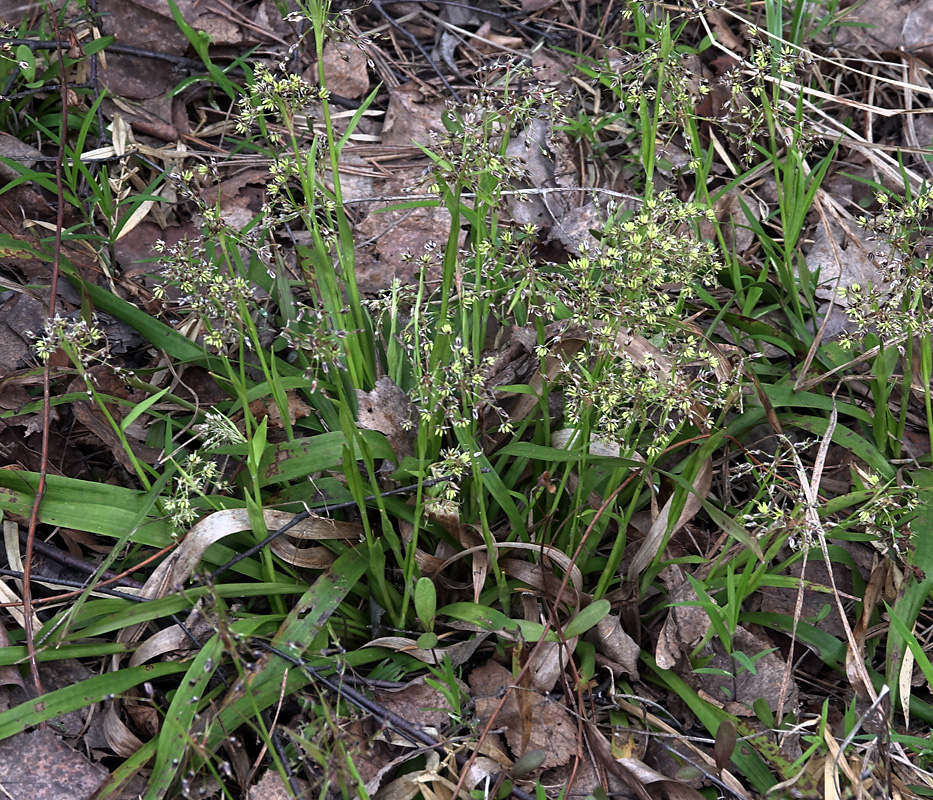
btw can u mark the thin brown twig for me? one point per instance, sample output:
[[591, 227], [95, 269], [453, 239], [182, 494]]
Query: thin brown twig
[[99, 585], [46, 375]]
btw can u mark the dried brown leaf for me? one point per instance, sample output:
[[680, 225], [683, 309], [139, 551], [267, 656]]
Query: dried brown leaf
[[614, 643], [553, 731], [411, 117], [659, 533], [458, 653], [549, 662], [418, 703], [271, 787], [388, 410], [685, 626]]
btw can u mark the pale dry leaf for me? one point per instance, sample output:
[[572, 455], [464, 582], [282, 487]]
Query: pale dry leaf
[[466, 535], [271, 787], [406, 787], [574, 229], [486, 41], [175, 571], [614, 643], [550, 555], [831, 765], [313, 527], [395, 234], [479, 571], [548, 663], [401, 791], [412, 118], [481, 770], [671, 789], [887, 25], [602, 750], [388, 410], [904, 683], [303, 557], [167, 640], [357, 175], [142, 211], [9, 674], [458, 653], [667, 652], [269, 18], [686, 625], [531, 150], [119, 737], [178, 567], [177, 639], [14, 559], [419, 783], [418, 703], [659, 533], [462, 14], [842, 261], [539, 578], [445, 51], [554, 730], [738, 690], [15, 150], [535, 575]]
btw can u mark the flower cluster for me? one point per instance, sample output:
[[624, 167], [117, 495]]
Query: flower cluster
[[473, 151], [218, 297], [79, 338], [637, 280], [754, 109], [6, 48], [312, 333], [887, 515], [218, 430], [898, 305], [274, 99], [655, 76], [196, 475], [444, 495]]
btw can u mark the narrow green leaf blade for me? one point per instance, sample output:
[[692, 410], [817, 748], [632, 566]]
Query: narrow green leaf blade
[[264, 687], [177, 727], [80, 695], [588, 618]]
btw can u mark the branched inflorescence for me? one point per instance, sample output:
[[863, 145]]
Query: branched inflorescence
[[899, 304]]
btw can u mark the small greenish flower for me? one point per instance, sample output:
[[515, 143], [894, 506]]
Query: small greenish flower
[[77, 337]]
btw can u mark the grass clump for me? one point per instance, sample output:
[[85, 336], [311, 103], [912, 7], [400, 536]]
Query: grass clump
[[638, 462]]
